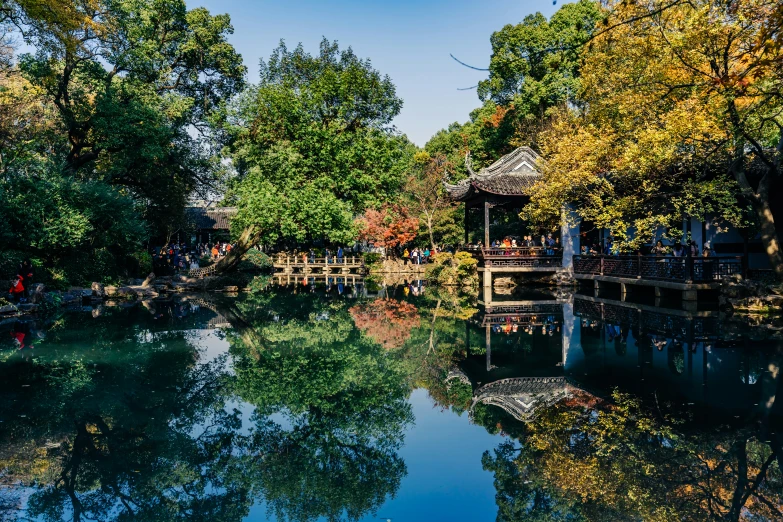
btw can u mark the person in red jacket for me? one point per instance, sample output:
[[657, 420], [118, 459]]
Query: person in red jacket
[[17, 289]]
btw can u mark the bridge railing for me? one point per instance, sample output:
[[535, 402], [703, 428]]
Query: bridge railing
[[307, 260], [662, 268], [532, 257]]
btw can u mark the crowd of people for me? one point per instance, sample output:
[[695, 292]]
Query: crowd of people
[[689, 249], [419, 256], [546, 244], [176, 257]]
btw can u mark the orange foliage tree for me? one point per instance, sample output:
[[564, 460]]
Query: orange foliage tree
[[388, 227], [387, 321]]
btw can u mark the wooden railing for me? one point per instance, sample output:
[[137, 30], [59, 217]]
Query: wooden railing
[[663, 268], [677, 325], [532, 257], [300, 260], [203, 272]]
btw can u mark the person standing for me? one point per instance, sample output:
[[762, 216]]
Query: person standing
[[550, 245], [26, 273], [16, 292], [339, 254]]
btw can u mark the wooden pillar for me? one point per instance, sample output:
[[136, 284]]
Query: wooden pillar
[[486, 223], [487, 279], [467, 235], [489, 348]]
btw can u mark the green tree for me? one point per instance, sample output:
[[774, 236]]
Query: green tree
[[128, 79], [535, 66], [313, 146]]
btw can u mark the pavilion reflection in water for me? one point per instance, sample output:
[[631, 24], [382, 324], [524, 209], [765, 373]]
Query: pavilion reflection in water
[[535, 354]]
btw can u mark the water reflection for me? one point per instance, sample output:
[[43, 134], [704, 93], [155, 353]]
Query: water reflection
[[298, 401]]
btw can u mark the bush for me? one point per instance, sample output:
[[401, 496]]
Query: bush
[[371, 258], [255, 260], [143, 260], [453, 270]]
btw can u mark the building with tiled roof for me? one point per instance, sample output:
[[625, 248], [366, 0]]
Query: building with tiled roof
[[512, 175], [215, 218], [208, 222], [506, 183]]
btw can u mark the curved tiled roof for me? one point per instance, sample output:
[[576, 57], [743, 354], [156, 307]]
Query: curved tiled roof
[[512, 175], [216, 218]]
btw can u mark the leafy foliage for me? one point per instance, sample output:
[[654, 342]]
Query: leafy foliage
[[454, 269], [388, 227], [535, 66], [312, 145], [96, 147], [684, 120]]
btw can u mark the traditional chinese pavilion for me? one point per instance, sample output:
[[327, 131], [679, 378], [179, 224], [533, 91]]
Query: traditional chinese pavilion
[[505, 184]]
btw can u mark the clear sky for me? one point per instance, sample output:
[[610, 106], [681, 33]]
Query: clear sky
[[406, 39]]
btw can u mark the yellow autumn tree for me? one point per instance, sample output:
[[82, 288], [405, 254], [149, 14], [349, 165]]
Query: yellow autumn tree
[[682, 118]]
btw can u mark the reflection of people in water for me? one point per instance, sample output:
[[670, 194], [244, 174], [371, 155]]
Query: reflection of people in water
[[22, 338], [18, 337], [659, 342], [612, 332]]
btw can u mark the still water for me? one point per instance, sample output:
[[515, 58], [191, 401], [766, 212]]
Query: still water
[[401, 403]]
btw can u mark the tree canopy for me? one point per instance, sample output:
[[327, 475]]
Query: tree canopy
[[116, 96], [683, 119], [313, 145]]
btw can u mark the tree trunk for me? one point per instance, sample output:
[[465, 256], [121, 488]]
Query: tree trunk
[[759, 199], [429, 229], [247, 240], [769, 236]]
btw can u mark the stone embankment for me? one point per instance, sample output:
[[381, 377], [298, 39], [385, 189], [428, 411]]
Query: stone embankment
[[752, 297], [149, 288]]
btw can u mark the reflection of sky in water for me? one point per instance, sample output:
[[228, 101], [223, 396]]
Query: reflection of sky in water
[[445, 480]]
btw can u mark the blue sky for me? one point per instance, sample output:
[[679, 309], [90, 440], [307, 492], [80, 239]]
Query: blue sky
[[408, 40]]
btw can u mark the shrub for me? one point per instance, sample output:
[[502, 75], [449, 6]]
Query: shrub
[[453, 269], [255, 260], [371, 258], [143, 261]]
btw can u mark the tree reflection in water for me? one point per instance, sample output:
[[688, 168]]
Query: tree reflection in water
[[121, 417], [331, 450], [121, 421], [618, 460]]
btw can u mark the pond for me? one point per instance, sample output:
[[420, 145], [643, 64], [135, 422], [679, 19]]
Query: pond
[[400, 403]]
